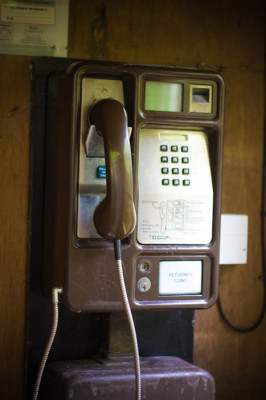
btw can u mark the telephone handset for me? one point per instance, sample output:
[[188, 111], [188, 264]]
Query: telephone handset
[[175, 157], [114, 217]]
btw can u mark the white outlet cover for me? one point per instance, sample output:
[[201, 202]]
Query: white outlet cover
[[234, 239]]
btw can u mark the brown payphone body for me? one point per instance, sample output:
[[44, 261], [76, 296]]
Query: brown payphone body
[[175, 128]]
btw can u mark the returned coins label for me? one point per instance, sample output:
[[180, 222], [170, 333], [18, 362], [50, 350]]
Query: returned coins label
[[180, 278]]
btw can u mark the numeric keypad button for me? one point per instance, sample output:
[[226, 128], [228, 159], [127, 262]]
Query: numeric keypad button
[[174, 160], [175, 171], [176, 182], [164, 147]]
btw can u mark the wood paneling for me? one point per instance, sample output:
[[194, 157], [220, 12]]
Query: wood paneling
[[236, 360], [15, 111], [172, 32]]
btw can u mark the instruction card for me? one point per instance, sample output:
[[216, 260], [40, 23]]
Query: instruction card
[[37, 28]]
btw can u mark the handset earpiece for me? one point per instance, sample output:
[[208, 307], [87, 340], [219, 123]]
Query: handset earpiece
[[115, 217]]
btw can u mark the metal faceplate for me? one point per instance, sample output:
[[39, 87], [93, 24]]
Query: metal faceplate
[[175, 200]]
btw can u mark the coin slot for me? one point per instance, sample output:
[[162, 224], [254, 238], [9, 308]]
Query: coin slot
[[200, 98], [200, 95]]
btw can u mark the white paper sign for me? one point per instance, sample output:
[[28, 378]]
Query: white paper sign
[[34, 27]]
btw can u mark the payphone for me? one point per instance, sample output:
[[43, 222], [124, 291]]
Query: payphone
[[133, 164], [141, 145]]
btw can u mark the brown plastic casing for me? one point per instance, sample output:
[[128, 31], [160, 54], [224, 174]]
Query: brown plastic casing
[[85, 268]]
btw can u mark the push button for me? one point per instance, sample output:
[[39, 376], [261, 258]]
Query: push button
[[164, 159], [174, 160], [184, 149], [164, 147], [174, 148], [176, 182], [185, 160], [186, 182], [165, 170], [165, 182], [175, 171]]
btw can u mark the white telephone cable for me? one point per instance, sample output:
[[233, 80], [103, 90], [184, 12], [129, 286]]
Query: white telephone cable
[[117, 247], [55, 293]]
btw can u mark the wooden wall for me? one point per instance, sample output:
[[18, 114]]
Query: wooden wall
[[227, 34]]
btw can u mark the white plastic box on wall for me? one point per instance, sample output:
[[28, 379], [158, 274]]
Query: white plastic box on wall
[[234, 239]]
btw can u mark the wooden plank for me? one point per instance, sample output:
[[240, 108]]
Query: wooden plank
[[15, 109], [236, 360]]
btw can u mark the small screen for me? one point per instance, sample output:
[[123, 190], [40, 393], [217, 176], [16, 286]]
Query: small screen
[[163, 96]]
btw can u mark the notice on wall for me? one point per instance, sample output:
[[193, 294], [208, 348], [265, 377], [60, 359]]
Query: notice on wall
[[37, 28]]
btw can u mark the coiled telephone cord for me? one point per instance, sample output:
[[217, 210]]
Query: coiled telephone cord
[[118, 257]]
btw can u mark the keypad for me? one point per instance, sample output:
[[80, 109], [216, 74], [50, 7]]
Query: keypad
[[175, 165]]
